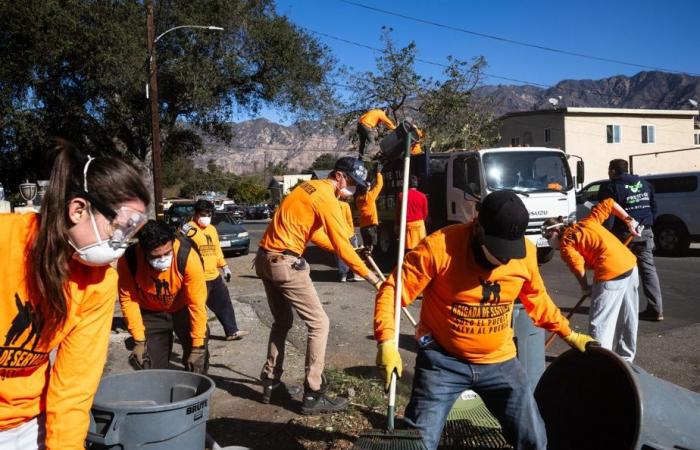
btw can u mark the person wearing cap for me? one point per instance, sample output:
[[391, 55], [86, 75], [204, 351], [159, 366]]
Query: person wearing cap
[[205, 236], [368, 121], [636, 196], [613, 316], [158, 297], [416, 213], [311, 212], [366, 203], [471, 275]]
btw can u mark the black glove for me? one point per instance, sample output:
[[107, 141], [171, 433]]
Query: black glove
[[197, 360], [379, 167], [139, 358]]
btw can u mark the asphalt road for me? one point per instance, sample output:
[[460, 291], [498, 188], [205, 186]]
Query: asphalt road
[[667, 349]]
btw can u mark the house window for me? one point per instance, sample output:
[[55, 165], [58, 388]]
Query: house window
[[547, 135], [613, 132], [515, 142], [697, 138], [648, 134]]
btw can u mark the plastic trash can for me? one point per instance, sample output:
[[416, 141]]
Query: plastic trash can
[[394, 145], [151, 409], [595, 400]]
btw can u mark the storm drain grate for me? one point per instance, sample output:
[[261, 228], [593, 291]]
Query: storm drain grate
[[470, 425]]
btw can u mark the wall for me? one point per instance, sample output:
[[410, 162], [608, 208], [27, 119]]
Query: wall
[[586, 136], [520, 126]]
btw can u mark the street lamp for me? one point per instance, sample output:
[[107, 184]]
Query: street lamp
[[152, 94]]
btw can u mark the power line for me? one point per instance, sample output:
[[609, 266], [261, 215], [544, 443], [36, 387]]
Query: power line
[[513, 41], [488, 75]]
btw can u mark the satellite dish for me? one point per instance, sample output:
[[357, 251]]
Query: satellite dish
[[553, 101], [693, 102]]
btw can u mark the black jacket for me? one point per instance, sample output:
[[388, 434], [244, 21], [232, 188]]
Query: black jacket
[[635, 195]]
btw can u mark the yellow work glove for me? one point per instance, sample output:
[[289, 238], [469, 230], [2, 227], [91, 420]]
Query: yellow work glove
[[388, 361], [580, 341]]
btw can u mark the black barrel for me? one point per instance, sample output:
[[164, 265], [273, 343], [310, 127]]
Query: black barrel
[[394, 145], [595, 400]]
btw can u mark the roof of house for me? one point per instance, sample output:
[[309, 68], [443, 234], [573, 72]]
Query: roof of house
[[605, 112]]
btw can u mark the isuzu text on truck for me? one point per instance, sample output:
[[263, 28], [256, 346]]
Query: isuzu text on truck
[[455, 182]]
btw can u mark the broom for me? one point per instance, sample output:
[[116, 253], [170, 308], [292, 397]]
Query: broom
[[391, 439]]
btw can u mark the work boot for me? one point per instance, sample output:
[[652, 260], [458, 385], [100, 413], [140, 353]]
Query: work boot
[[277, 389], [316, 402], [651, 315]]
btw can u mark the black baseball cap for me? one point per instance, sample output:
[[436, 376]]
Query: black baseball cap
[[353, 168], [504, 218]]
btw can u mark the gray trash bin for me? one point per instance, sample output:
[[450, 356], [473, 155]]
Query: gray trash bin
[[394, 145], [151, 409], [595, 400], [529, 342]]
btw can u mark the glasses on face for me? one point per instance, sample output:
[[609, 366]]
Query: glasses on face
[[548, 231], [124, 226]]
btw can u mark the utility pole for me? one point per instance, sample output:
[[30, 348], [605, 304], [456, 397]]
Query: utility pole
[[155, 121]]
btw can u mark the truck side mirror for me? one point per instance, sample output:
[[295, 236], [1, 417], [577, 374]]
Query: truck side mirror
[[579, 172]]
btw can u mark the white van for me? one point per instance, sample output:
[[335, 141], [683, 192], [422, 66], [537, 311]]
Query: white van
[[677, 197]]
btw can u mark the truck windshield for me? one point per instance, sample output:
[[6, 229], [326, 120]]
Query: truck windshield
[[527, 171]]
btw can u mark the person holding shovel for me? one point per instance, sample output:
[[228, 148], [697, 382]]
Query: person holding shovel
[[471, 275], [161, 291], [613, 316], [416, 213], [311, 212], [366, 203]]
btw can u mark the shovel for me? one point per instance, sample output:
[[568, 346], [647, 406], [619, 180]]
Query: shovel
[[391, 439]]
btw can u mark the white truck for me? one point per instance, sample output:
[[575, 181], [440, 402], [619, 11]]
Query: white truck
[[456, 181]]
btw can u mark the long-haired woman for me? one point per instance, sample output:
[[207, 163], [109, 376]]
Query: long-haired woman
[[57, 293]]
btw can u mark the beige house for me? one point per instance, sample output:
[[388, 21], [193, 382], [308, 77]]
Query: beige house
[[280, 185], [601, 134]]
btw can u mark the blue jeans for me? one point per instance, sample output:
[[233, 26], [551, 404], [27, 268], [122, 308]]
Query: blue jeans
[[504, 388], [343, 268], [219, 301]]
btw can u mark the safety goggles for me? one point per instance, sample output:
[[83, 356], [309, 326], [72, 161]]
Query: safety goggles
[[123, 223]]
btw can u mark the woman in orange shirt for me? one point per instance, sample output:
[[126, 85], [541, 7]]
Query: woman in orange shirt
[[57, 293]]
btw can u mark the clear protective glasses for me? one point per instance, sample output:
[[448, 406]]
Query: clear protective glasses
[[124, 226], [548, 230]]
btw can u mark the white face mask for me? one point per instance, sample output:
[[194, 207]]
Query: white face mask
[[161, 263], [101, 253], [348, 191], [204, 221]]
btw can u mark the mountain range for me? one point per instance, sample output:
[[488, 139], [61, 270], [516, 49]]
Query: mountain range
[[259, 142]]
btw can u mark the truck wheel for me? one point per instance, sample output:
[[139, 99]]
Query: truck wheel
[[544, 255], [671, 238], [386, 241]]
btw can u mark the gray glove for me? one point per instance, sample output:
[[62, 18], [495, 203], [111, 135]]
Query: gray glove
[[139, 358], [197, 360]]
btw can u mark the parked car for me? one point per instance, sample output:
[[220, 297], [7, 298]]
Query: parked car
[[179, 213], [258, 212], [234, 239], [677, 197], [237, 212]]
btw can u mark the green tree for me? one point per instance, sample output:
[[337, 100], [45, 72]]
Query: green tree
[[325, 161], [246, 190], [452, 116], [77, 69]]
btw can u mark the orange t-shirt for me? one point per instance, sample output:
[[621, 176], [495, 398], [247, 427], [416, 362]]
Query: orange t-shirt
[[207, 240], [167, 291], [29, 384], [372, 117], [312, 210], [589, 243], [367, 203], [467, 308], [347, 215]]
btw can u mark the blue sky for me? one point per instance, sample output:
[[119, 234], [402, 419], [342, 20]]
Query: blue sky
[[646, 32]]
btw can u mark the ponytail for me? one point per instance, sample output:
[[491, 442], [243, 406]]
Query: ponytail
[[112, 182]]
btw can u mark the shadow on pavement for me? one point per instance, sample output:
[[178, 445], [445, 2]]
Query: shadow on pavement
[[579, 310], [264, 435]]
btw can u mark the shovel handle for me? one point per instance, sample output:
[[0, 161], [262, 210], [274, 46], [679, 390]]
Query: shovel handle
[[372, 263], [550, 339]]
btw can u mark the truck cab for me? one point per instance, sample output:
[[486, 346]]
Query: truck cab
[[456, 181]]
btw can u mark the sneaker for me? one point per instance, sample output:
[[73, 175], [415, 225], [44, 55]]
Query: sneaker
[[343, 278], [237, 336], [651, 316], [316, 402], [352, 277]]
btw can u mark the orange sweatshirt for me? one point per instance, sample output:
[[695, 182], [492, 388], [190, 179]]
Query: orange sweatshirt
[[29, 385], [311, 209], [167, 291], [372, 117], [207, 240], [347, 215], [589, 243], [468, 309], [367, 203]]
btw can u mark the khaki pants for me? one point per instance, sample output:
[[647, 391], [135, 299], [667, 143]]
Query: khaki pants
[[286, 288]]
